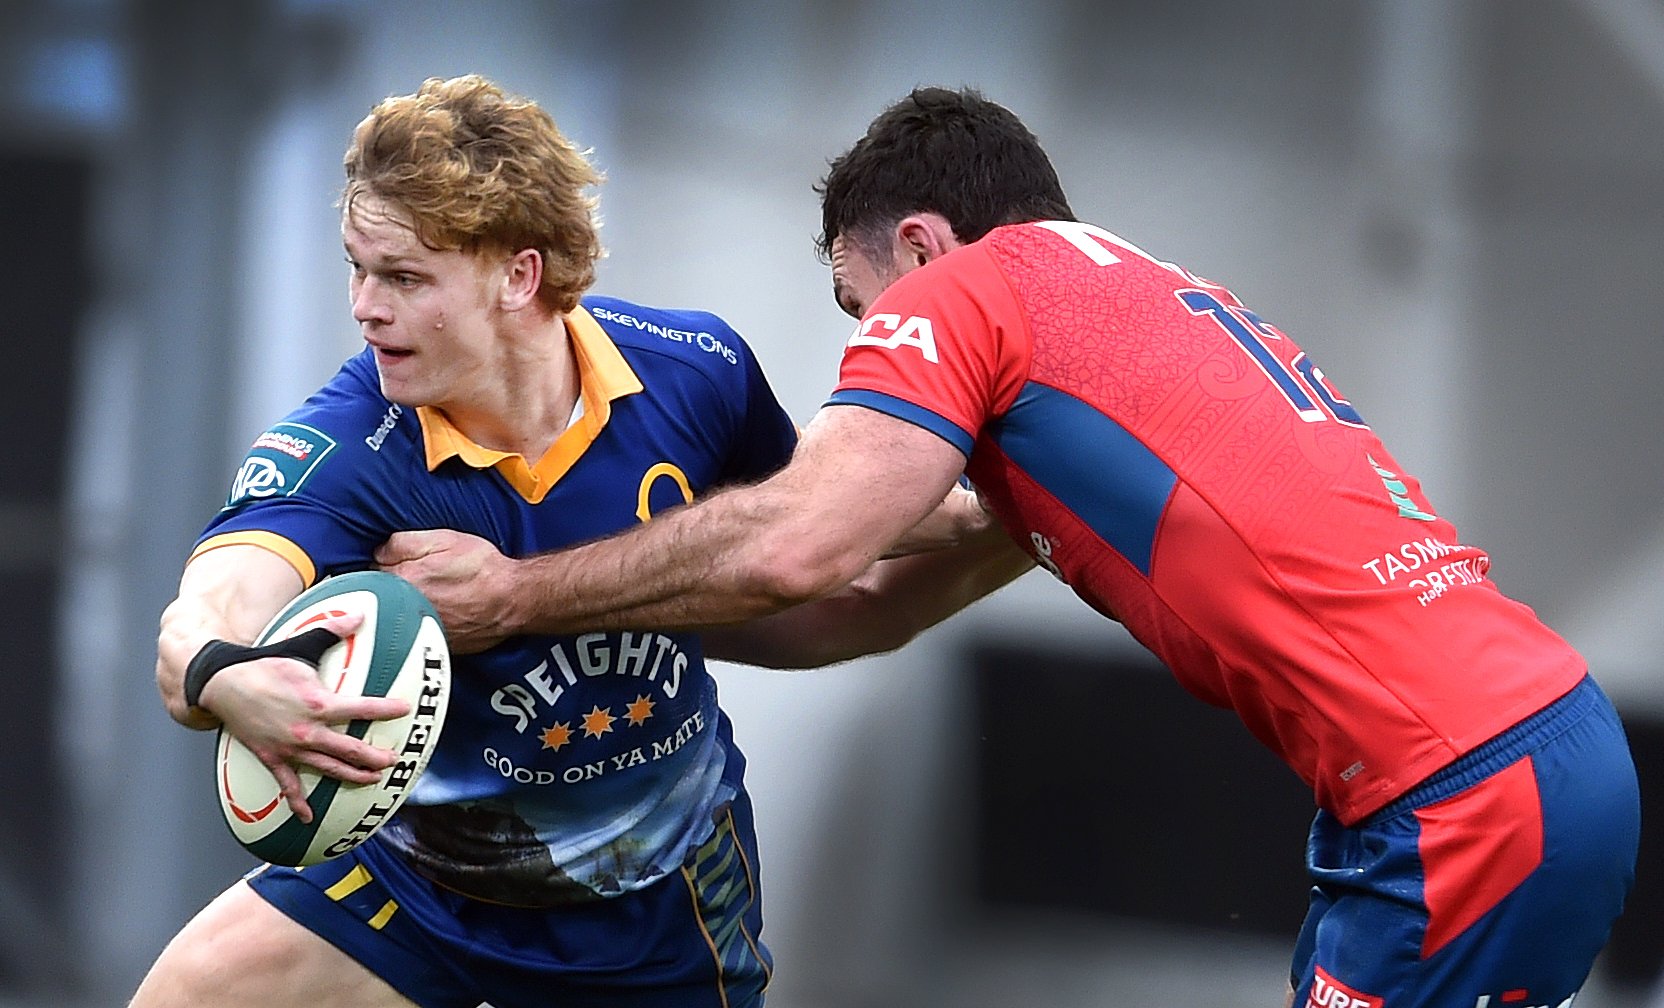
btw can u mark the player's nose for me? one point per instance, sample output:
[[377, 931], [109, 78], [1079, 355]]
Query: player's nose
[[368, 304]]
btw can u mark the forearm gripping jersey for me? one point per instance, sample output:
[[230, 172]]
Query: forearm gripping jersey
[[1189, 471], [570, 767]]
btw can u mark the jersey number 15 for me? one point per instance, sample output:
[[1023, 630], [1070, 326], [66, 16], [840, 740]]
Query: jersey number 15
[[1301, 382]]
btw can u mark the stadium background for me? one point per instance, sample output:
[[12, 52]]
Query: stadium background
[[1454, 204]]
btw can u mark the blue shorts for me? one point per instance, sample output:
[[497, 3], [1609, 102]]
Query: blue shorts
[[1493, 884], [689, 940]]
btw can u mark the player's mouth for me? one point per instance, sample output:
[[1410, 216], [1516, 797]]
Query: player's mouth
[[387, 354]]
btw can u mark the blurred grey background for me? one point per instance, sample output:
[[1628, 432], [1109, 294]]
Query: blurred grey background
[[1454, 205]]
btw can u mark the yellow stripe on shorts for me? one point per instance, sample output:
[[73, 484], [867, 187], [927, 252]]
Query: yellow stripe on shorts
[[383, 915], [350, 883]]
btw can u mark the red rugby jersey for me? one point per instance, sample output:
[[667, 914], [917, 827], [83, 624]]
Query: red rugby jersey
[[1188, 471]]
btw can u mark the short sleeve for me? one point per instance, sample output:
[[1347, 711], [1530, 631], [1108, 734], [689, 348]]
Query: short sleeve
[[766, 435], [308, 486], [944, 347]]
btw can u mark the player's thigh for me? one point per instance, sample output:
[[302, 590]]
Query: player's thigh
[[240, 950]]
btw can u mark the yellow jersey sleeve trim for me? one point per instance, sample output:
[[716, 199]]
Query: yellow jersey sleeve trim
[[295, 556], [603, 376]]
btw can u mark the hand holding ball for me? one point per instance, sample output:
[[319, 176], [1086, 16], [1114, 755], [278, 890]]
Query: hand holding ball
[[399, 651]]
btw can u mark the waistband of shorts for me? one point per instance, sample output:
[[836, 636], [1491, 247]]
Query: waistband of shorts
[[1501, 751]]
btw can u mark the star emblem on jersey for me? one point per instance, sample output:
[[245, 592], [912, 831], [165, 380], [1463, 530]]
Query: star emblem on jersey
[[640, 711], [598, 722], [557, 735]]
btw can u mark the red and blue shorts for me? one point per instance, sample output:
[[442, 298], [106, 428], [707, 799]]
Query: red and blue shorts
[[1493, 884]]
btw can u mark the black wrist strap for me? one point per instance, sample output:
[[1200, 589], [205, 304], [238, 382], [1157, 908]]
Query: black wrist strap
[[215, 655]]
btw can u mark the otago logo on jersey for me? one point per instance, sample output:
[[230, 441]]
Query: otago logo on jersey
[[887, 330], [279, 463]]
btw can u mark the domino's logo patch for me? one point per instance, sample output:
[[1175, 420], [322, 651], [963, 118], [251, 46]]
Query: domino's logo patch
[[280, 463]]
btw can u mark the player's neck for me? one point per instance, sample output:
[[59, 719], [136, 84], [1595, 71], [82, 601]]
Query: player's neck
[[530, 401]]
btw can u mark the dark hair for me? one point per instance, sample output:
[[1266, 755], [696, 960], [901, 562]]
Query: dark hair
[[952, 152]]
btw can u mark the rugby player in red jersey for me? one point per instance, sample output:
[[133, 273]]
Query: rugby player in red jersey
[[1189, 471]]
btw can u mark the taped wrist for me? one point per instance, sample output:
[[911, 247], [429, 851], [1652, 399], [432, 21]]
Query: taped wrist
[[215, 655]]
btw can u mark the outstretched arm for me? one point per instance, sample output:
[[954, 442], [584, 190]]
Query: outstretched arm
[[891, 603], [858, 481]]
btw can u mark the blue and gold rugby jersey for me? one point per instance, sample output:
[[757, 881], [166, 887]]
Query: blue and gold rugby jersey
[[571, 766]]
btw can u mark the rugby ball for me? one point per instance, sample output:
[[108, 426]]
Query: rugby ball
[[399, 651]]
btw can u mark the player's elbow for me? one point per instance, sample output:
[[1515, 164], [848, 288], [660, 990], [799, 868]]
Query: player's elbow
[[170, 644], [792, 569], [173, 654]]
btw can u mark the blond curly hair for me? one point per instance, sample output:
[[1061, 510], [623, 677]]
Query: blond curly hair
[[477, 170]]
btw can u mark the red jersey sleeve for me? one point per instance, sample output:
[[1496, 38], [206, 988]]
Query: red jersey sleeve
[[944, 347]]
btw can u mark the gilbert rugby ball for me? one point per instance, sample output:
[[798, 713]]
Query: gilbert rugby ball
[[399, 651]]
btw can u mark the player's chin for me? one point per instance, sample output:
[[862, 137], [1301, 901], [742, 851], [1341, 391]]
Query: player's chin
[[398, 369], [400, 389]]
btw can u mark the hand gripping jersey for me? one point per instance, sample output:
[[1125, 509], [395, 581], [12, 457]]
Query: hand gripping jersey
[[1188, 471], [569, 766]]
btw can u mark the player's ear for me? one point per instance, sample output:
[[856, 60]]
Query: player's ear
[[522, 277], [922, 237]]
